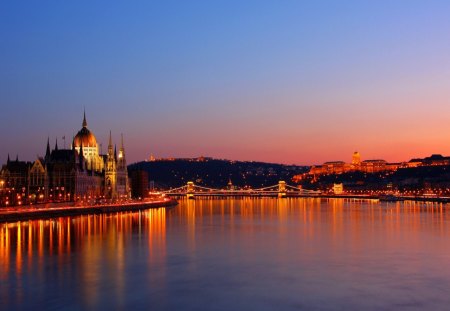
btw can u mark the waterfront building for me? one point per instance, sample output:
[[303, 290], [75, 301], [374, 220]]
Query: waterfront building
[[38, 181], [338, 188], [78, 173], [111, 168], [15, 173], [86, 139], [13, 182], [122, 171]]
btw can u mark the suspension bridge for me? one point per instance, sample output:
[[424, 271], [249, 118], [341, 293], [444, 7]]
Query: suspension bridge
[[281, 190]]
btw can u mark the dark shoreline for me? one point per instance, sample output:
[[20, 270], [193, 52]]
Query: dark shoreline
[[14, 216]]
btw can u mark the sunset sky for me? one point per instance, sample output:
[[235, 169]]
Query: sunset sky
[[279, 81]]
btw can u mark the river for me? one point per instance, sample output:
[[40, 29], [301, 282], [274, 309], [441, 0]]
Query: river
[[233, 254]]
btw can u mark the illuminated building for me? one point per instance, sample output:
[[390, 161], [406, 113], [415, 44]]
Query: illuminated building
[[332, 167], [111, 171], [14, 182], [79, 173], [87, 139], [338, 188], [373, 166], [367, 166], [112, 166], [122, 171], [15, 173], [356, 159], [230, 185], [38, 181], [69, 178]]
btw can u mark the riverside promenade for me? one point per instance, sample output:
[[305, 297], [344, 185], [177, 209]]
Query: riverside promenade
[[22, 213]]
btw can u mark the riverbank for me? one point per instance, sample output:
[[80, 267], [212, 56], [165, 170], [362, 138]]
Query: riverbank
[[29, 213]]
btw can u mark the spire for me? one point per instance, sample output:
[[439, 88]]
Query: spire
[[84, 118], [115, 153], [121, 150], [7, 161], [110, 145], [56, 144], [17, 158], [47, 152]]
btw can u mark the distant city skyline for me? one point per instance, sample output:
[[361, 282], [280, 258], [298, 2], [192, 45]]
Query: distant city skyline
[[66, 142], [292, 82]]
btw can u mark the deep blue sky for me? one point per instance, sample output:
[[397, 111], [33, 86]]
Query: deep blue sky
[[284, 81]]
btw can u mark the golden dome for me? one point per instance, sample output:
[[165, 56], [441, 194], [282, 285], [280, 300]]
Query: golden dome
[[84, 137]]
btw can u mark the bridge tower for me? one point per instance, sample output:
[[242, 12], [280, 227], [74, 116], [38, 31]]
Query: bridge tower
[[281, 189], [190, 190]]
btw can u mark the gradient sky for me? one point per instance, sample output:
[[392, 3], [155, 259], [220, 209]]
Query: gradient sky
[[281, 81]]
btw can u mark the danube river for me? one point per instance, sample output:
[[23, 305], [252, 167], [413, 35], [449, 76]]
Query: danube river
[[244, 254]]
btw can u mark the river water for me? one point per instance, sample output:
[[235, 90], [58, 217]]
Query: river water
[[233, 254]]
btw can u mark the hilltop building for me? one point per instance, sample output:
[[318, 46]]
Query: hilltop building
[[356, 159], [367, 166], [433, 160], [373, 166]]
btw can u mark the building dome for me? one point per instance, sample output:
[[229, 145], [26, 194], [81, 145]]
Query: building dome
[[84, 137], [356, 158]]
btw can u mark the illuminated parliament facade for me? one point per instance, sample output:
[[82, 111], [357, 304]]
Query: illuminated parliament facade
[[75, 174]]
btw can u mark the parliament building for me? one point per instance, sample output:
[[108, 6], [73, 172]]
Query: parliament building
[[77, 174]]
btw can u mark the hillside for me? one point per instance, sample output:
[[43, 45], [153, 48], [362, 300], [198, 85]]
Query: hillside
[[215, 173], [404, 179]]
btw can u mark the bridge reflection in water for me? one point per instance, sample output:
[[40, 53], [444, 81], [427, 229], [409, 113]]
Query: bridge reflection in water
[[246, 251]]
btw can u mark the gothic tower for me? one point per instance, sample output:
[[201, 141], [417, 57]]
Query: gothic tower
[[122, 172], [110, 172]]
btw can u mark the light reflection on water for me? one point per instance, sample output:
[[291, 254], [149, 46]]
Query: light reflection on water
[[266, 254]]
